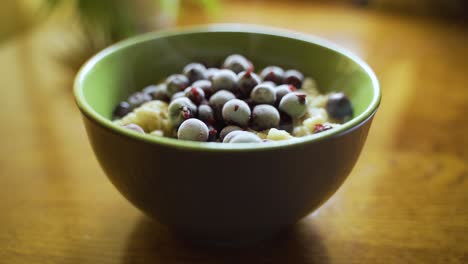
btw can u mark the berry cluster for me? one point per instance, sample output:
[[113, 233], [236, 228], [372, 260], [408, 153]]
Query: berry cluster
[[224, 104]]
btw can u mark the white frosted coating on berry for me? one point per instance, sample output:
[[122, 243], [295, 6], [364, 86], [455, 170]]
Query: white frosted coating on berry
[[210, 72], [205, 113], [134, 127], [236, 63], [193, 129], [282, 90], [177, 95], [246, 137], [159, 92], [231, 135], [218, 99], [205, 85], [224, 80], [176, 83], [294, 104], [273, 74], [157, 133], [264, 117], [279, 106], [237, 112], [195, 94], [263, 94], [227, 130], [195, 71], [181, 109]]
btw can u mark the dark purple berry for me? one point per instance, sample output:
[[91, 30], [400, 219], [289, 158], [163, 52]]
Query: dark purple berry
[[195, 72], [272, 73], [246, 81], [176, 83], [121, 110], [195, 94], [157, 92], [206, 114], [224, 80], [339, 106], [237, 63], [206, 86], [210, 72], [138, 98], [294, 77]]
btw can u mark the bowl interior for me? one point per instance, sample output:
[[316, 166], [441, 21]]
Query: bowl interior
[[148, 59]]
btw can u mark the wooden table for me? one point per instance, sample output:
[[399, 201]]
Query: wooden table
[[405, 202]]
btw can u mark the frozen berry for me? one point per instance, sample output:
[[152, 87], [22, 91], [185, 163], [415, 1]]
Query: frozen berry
[[157, 92], [264, 117], [286, 122], [210, 72], [236, 112], [229, 136], [246, 138], [121, 110], [195, 94], [195, 71], [241, 137], [205, 114], [294, 104], [138, 98], [224, 80], [237, 63], [272, 73], [294, 77], [228, 129], [270, 83], [193, 129], [218, 99], [176, 83], [339, 106], [212, 133], [263, 94], [177, 95], [134, 127], [282, 90], [206, 86], [246, 81], [181, 109]]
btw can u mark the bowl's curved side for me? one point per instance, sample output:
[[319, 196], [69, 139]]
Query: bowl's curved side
[[236, 196], [223, 192]]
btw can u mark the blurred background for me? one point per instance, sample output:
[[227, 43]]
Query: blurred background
[[76, 29], [406, 197]]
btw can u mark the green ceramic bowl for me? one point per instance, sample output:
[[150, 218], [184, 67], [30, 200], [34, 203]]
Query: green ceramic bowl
[[224, 193]]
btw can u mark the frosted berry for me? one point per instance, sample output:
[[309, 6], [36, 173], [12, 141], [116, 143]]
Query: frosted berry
[[264, 117], [176, 83], [272, 73], [236, 112], [195, 71], [294, 104], [193, 129]]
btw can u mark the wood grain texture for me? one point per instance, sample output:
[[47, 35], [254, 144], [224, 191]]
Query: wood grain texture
[[406, 201]]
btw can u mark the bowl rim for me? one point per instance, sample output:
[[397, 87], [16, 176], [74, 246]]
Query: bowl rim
[[347, 127]]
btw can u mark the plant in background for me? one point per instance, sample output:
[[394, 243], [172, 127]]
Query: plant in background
[[103, 22]]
